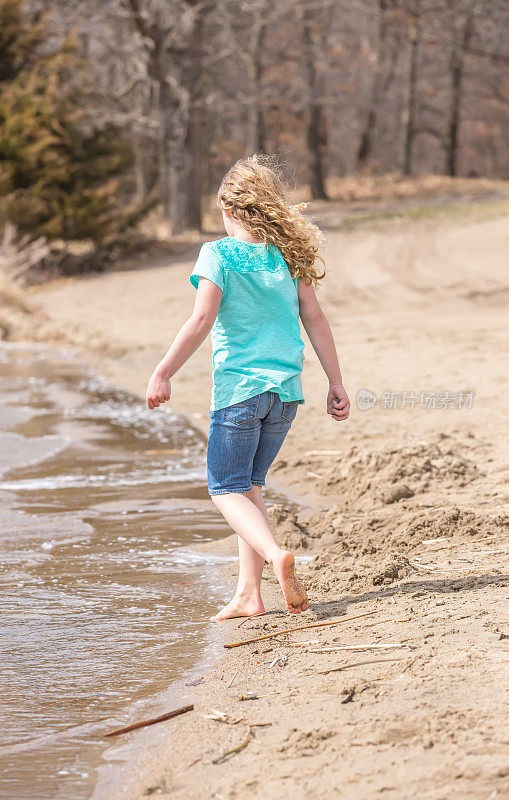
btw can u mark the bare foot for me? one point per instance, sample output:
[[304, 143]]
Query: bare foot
[[240, 607], [293, 590]]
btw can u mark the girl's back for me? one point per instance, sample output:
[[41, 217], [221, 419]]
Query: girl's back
[[256, 338]]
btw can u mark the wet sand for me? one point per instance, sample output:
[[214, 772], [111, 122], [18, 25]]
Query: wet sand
[[401, 513]]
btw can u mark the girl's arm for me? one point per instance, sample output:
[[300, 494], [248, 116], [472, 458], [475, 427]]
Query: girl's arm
[[320, 335], [192, 333]]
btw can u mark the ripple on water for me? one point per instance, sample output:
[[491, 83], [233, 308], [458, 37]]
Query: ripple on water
[[101, 504]]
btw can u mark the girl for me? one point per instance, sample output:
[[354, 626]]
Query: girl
[[252, 286]]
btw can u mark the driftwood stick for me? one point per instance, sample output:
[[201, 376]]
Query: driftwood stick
[[409, 664], [244, 743], [252, 616], [252, 696], [153, 721], [192, 763], [357, 647], [304, 644], [360, 664], [456, 544], [438, 569], [232, 679], [379, 621], [301, 628]]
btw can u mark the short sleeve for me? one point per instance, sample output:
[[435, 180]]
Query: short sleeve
[[207, 265]]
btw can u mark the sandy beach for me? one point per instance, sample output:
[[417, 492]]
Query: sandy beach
[[397, 514]]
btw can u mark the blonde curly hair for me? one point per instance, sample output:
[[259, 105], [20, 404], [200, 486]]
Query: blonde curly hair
[[254, 193]]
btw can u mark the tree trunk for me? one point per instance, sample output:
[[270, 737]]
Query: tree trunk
[[175, 66], [194, 141], [140, 176], [178, 156], [177, 120], [160, 100], [408, 115], [257, 139], [316, 124], [456, 66], [366, 144]]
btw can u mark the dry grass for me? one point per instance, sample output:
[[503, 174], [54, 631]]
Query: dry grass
[[377, 188], [14, 306], [13, 297]]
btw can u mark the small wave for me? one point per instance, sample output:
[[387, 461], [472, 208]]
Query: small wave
[[23, 451], [55, 482]]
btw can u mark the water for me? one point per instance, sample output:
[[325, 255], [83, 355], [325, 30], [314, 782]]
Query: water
[[101, 501]]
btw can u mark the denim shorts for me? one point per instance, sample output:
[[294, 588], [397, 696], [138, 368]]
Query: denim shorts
[[244, 440]]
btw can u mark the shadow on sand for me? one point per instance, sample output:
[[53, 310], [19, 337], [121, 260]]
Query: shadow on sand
[[332, 608]]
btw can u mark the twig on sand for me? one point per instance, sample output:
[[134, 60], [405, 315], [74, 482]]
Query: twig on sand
[[192, 763], [145, 722], [300, 628], [250, 617], [434, 541], [358, 647], [409, 664], [304, 644], [314, 475], [434, 568], [359, 664], [244, 743], [370, 624], [253, 696], [232, 679], [380, 621], [281, 661], [456, 544], [221, 716]]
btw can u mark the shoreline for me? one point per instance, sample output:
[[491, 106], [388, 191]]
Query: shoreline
[[402, 515], [129, 760]]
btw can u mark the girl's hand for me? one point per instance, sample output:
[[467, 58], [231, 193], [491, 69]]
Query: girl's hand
[[158, 391], [338, 404]]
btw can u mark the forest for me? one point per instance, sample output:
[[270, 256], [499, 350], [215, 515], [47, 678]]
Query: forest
[[110, 109]]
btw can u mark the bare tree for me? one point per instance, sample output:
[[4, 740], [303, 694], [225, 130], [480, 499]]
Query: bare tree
[[410, 99], [313, 39], [462, 34], [366, 144], [171, 33], [259, 22]]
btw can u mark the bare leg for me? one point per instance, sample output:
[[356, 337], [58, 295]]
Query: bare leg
[[250, 562], [247, 515], [247, 600]]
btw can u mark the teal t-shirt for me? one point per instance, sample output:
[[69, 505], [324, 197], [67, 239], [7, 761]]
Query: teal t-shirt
[[256, 338]]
